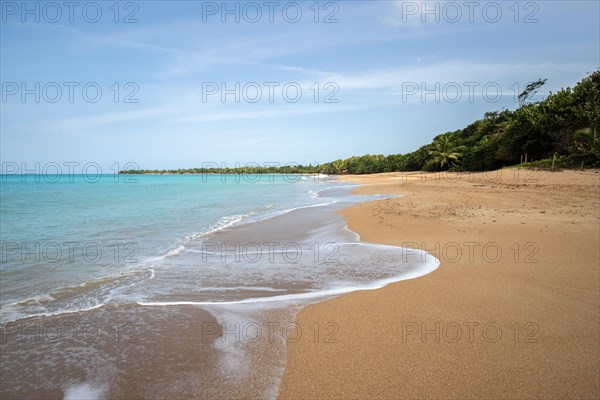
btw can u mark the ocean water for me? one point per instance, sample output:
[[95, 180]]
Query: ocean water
[[80, 238], [158, 257]]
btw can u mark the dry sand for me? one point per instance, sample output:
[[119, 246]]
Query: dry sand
[[528, 319]]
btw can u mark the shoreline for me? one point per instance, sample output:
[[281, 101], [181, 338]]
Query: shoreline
[[522, 323]]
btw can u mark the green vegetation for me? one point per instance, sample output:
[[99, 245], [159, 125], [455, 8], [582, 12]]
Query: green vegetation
[[562, 127]]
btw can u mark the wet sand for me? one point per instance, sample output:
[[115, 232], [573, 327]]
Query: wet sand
[[512, 312], [121, 352]]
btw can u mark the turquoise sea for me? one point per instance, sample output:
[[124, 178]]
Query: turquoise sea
[[60, 232]]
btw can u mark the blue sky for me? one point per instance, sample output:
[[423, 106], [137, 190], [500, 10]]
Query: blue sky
[[377, 63]]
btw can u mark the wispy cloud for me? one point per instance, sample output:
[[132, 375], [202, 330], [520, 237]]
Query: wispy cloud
[[85, 123]]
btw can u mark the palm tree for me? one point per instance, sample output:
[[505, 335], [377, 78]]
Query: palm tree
[[421, 156], [444, 152]]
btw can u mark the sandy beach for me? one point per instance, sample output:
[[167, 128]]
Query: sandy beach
[[512, 312]]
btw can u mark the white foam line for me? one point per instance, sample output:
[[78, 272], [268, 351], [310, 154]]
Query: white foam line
[[175, 252], [51, 314], [246, 288], [229, 224], [37, 299], [431, 266], [307, 206]]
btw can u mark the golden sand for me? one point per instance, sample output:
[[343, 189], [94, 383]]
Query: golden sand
[[523, 323]]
